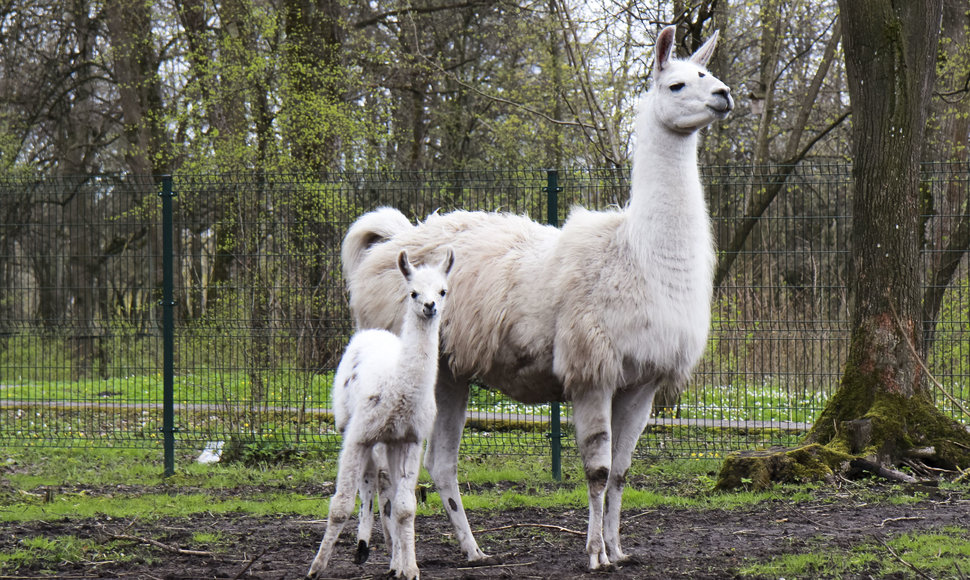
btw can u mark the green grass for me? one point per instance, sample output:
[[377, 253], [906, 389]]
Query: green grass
[[207, 538], [151, 506], [45, 555], [741, 402], [48, 484], [213, 388], [294, 388], [32, 468], [941, 554]]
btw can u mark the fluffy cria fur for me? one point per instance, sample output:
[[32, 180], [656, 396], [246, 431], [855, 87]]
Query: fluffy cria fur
[[601, 313], [384, 404]]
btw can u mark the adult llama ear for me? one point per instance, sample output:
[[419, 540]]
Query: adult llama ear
[[448, 262], [706, 51], [664, 48], [404, 265]]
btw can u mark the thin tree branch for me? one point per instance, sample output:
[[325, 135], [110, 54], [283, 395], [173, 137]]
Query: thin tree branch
[[922, 365], [763, 199], [409, 9], [437, 66], [604, 131], [904, 562]]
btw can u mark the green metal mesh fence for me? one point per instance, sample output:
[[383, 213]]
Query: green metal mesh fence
[[261, 315]]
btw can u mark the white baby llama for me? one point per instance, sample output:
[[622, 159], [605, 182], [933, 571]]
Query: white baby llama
[[601, 313], [384, 404]]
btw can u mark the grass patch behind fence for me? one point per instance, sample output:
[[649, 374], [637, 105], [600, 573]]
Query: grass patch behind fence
[[291, 412]]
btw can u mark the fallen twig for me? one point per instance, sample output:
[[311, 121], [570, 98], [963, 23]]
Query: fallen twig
[[249, 565], [904, 562], [547, 526], [964, 473], [160, 545], [929, 468], [902, 519], [639, 515], [959, 571], [496, 566], [882, 471]]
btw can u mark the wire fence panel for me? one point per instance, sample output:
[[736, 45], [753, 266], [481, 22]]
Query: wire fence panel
[[261, 315], [79, 342]]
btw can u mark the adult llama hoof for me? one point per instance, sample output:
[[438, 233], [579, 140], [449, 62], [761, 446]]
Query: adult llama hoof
[[629, 561], [314, 572], [410, 574], [485, 560]]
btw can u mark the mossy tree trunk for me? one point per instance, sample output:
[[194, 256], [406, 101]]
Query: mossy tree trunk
[[883, 412]]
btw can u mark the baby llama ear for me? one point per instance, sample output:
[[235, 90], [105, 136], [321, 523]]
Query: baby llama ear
[[706, 51], [664, 48], [448, 262], [404, 265]]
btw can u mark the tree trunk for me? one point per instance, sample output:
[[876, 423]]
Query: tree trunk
[[883, 410], [136, 75], [312, 53], [949, 238]]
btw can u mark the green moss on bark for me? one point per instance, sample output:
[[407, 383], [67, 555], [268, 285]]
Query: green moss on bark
[[885, 432], [761, 469]]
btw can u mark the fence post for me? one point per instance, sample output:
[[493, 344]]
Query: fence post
[[552, 190], [168, 328]]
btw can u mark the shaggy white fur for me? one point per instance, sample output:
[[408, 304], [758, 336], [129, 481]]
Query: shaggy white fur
[[601, 313], [384, 404]]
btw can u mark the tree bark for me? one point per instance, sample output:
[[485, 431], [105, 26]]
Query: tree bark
[[136, 76], [890, 51], [314, 39]]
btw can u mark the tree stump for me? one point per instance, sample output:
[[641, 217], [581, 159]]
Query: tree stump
[[760, 469]]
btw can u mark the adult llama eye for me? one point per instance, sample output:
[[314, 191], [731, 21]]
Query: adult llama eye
[[677, 87]]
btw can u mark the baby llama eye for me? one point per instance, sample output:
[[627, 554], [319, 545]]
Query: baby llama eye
[[677, 87]]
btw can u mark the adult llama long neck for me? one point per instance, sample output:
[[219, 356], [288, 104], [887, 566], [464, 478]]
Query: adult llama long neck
[[667, 220], [666, 198]]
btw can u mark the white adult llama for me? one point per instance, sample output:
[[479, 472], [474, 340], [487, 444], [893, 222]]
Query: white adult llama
[[384, 404], [601, 313]]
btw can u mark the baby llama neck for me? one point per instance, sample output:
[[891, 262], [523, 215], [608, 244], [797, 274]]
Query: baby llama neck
[[419, 345]]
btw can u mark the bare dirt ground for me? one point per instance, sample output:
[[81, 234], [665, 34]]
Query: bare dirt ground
[[523, 543]]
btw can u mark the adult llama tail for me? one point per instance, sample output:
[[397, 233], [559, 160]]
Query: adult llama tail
[[371, 228]]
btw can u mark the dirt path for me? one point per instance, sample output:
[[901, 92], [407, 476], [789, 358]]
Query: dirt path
[[525, 543]]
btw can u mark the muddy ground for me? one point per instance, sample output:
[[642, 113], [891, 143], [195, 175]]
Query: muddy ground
[[524, 543]]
